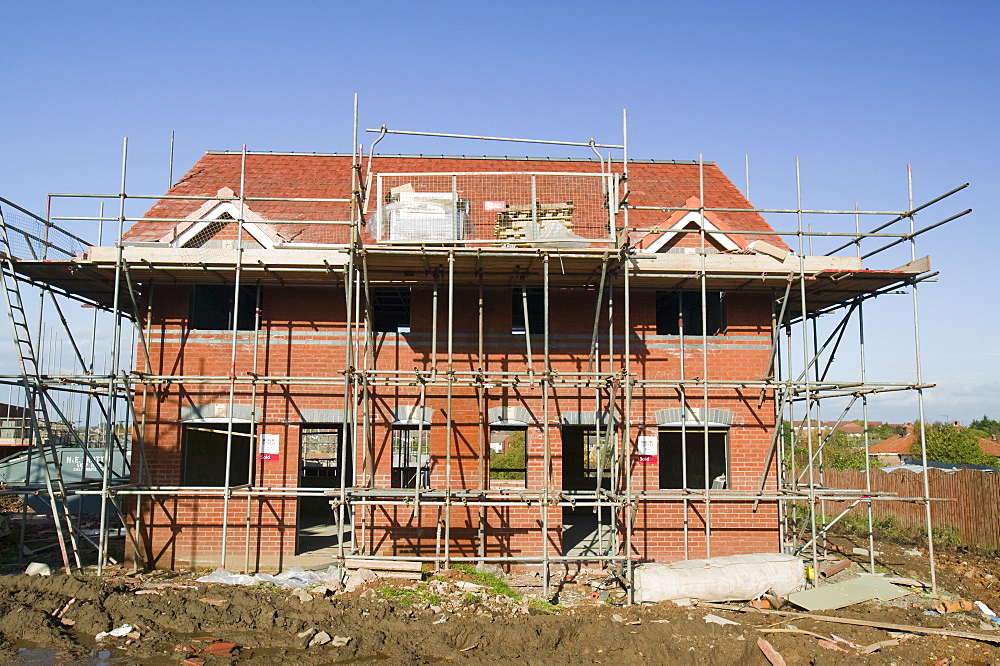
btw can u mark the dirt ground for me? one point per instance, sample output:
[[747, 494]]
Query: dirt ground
[[445, 618]]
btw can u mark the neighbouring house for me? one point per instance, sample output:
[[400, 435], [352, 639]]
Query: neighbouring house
[[898, 449], [895, 450], [444, 357], [15, 429], [851, 429]]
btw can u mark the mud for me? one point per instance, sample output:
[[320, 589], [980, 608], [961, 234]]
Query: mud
[[391, 621]]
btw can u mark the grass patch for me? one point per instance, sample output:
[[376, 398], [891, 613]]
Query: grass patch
[[401, 597], [492, 582], [406, 597], [946, 536], [496, 585], [889, 528], [543, 606]]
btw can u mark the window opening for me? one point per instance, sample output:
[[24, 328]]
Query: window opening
[[536, 311], [508, 455], [671, 456], [205, 454], [597, 450], [390, 311], [584, 448], [410, 456], [672, 305], [212, 307], [321, 455]]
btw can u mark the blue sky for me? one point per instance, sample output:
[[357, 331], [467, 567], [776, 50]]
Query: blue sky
[[855, 90]]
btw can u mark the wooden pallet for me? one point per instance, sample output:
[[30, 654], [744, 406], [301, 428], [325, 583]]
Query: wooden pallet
[[512, 223]]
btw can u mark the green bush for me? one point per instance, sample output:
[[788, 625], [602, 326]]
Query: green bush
[[950, 444], [514, 457]]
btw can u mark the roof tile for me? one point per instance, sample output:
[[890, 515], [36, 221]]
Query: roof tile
[[662, 184]]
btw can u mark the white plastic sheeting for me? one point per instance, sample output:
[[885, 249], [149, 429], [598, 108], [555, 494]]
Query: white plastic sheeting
[[730, 578], [295, 577], [423, 217], [555, 234]]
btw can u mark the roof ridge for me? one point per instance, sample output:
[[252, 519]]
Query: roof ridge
[[527, 158]]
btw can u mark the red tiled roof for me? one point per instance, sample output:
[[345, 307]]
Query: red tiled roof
[[895, 445], [851, 428], [990, 447], [665, 184], [900, 445]]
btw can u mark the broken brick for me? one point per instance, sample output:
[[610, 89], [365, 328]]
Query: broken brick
[[220, 649]]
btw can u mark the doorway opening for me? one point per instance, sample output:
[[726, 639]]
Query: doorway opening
[[319, 522], [587, 456]]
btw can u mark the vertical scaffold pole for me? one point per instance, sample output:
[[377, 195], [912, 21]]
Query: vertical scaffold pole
[[483, 417], [348, 429], [864, 407], [681, 354], [546, 436], [251, 453], [450, 423], [806, 389], [113, 370], [625, 514], [227, 491], [703, 295], [920, 391]]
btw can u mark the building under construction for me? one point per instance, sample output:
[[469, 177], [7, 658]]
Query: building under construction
[[522, 361]]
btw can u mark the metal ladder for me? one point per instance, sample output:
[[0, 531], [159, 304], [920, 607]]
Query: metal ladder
[[35, 400]]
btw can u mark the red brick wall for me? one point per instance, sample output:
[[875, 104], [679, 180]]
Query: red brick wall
[[303, 334]]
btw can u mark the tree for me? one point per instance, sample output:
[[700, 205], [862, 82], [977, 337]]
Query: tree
[[511, 463], [987, 425], [840, 452], [884, 431], [950, 444], [786, 433]]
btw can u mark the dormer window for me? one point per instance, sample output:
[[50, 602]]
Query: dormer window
[[208, 231]]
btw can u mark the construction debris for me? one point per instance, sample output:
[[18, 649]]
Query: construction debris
[[838, 595], [730, 578], [830, 645], [294, 577], [721, 621], [987, 611], [875, 647], [834, 568], [387, 568], [785, 630], [38, 569], [953, 606], [770, 653], [123, 630], [437, 618], [910, 629]]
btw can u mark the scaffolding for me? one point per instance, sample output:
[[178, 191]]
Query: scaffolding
[[807, 293]]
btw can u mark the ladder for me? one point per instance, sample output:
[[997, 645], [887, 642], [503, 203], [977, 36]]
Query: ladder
[[36, 407]]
